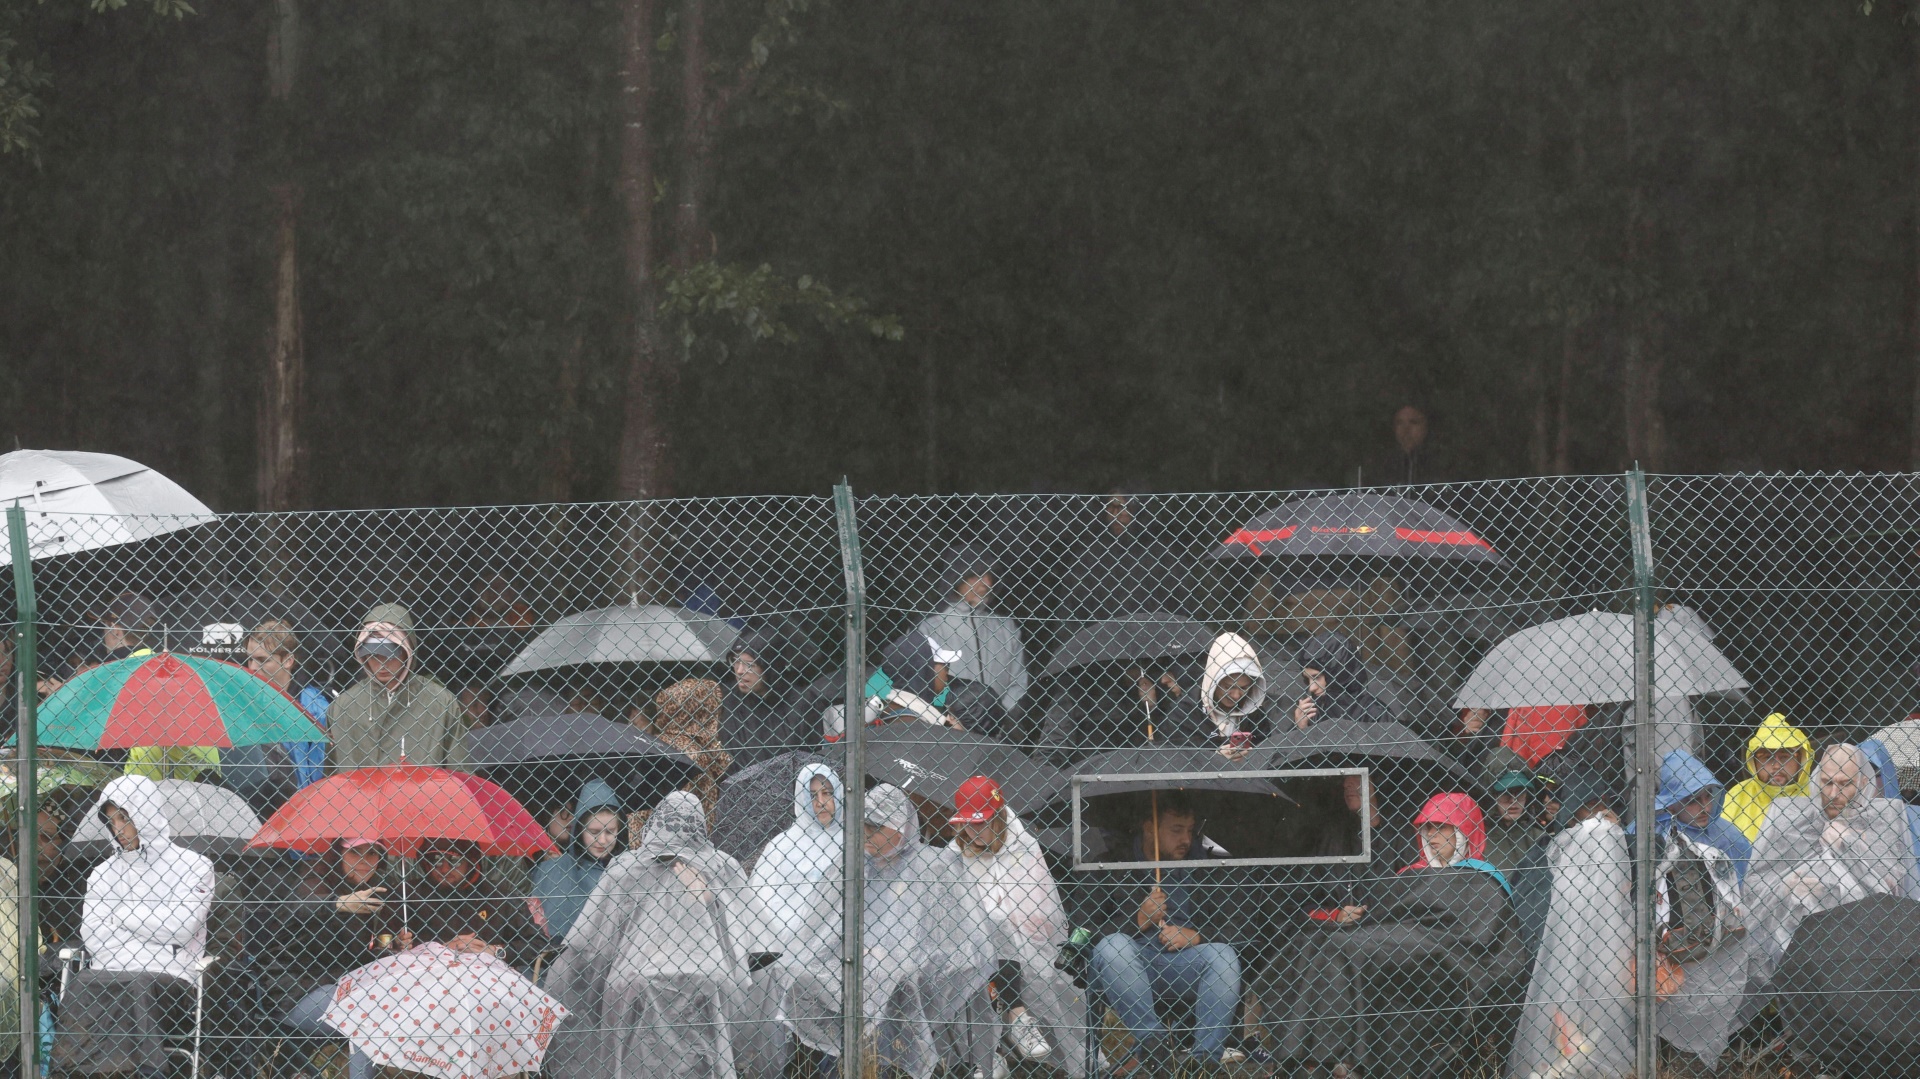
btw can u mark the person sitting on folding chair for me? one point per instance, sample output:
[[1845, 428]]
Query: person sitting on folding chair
[[144, 927]]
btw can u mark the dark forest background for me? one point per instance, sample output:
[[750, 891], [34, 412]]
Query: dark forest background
[[471, 251]]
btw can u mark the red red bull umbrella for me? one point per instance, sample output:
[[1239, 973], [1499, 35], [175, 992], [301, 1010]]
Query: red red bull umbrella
[[163, 699], [1367, 524]]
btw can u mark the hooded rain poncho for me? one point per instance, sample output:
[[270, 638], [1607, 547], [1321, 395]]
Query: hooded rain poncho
[[1747, 800], [1578, 1018], [146, 908], [1804, 863], [1682, 775], [991, 651], [655, 969], [1029, 924], [795, 864], [371, 725], [1888, 783], [928, 954]]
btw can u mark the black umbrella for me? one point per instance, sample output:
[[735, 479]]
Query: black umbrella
[[543, 760], [1364, 523], [756, 803], [932, 762], [1341, 743], [1148, 635], [1849, 987]]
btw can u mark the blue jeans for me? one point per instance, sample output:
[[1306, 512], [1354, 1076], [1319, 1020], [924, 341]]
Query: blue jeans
[[305, 1018], [1130, 971]]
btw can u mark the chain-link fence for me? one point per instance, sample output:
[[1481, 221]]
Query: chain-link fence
[[1258, 784]]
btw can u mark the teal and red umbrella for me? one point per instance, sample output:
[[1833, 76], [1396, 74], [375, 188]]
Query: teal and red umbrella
[[164, 699]]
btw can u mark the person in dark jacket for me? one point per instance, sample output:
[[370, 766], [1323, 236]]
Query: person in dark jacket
[[1164, 932], [1336, 684], [760, 713], [1123, 568], [455, 906], [924, 667], [324, 928]]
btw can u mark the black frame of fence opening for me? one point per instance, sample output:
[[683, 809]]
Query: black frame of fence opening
[[1079, 783]]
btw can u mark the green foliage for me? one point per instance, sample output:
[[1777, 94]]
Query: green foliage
[[24, 77], [756, 304]]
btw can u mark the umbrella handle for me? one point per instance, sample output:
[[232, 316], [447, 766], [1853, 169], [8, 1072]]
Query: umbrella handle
[[1154, 796]]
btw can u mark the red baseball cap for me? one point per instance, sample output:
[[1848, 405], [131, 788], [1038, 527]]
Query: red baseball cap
[[977, 800]]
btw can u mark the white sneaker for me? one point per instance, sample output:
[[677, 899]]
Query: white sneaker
[[1232, 1056], [1000, 1069], [1025, 1034]]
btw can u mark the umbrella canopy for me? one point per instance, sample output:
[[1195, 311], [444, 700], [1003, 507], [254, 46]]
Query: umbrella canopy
[[165, 699], [932, 762], [456, 1015], [1588, 659], [1148, 635], [212, 820], [1903, 745], [543, 760], [1363, 523], [86, 501], [648, 633], [403, 806], [756, 803], [1345, 742], [1849, 987]]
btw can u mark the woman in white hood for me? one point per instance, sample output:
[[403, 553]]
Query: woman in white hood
[[1232, 690], [147, 906]]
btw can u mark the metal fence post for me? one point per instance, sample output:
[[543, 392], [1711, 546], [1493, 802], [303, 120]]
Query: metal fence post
[[1646, 776], [852, 1032], [26, 641]]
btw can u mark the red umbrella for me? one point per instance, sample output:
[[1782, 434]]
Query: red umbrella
[[401, 806]]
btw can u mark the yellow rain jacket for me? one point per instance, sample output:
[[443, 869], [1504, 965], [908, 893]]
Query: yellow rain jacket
[[1747, 800]]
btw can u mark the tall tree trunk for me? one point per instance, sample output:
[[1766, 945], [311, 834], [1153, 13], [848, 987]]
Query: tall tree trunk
[[1562, 427], [1913, 313], [1540, 431], [277, 476], [642, 467], [930, 415], [697, 136]]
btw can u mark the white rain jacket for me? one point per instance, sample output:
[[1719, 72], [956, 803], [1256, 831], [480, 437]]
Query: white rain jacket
[[1029, 925], [791, 867], [146, 908], [1232, 654]]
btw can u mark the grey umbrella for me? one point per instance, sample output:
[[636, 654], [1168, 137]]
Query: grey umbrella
[[1147, 635], [543, 759], [932, 762], [202, 817], [648, 633], [1588, 659], [756, 804]]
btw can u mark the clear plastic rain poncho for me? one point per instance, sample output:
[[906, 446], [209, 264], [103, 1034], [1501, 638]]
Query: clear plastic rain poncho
[[655, 967], [1804, 863], [793, 864], [927, 957], [1699, 1016], [1030, 924], [1578, 1019]]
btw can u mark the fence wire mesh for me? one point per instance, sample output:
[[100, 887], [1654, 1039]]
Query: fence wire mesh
[[1336, 783]]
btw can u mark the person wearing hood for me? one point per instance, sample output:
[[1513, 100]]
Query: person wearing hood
[[1888, 779], [561, 885], [1779, 764], [1164, 932], [924, 666], [1689, 802], [794, 864], [760, 713], [654, 974], [1817, 853], [1336, 684], [1123, 567], [1041, 1007], [395, 710], [1513, 831], [928, 952], [1387, 987], [991, 652], [1227, 712], [145, 915]]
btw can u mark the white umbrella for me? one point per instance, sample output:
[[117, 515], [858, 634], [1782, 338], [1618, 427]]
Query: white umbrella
[[85, 501], [1588, 659], [201, 816], [647, 633], [455, 1015]]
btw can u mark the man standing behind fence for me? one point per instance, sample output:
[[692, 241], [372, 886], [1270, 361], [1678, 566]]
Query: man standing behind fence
[[394, 708]]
